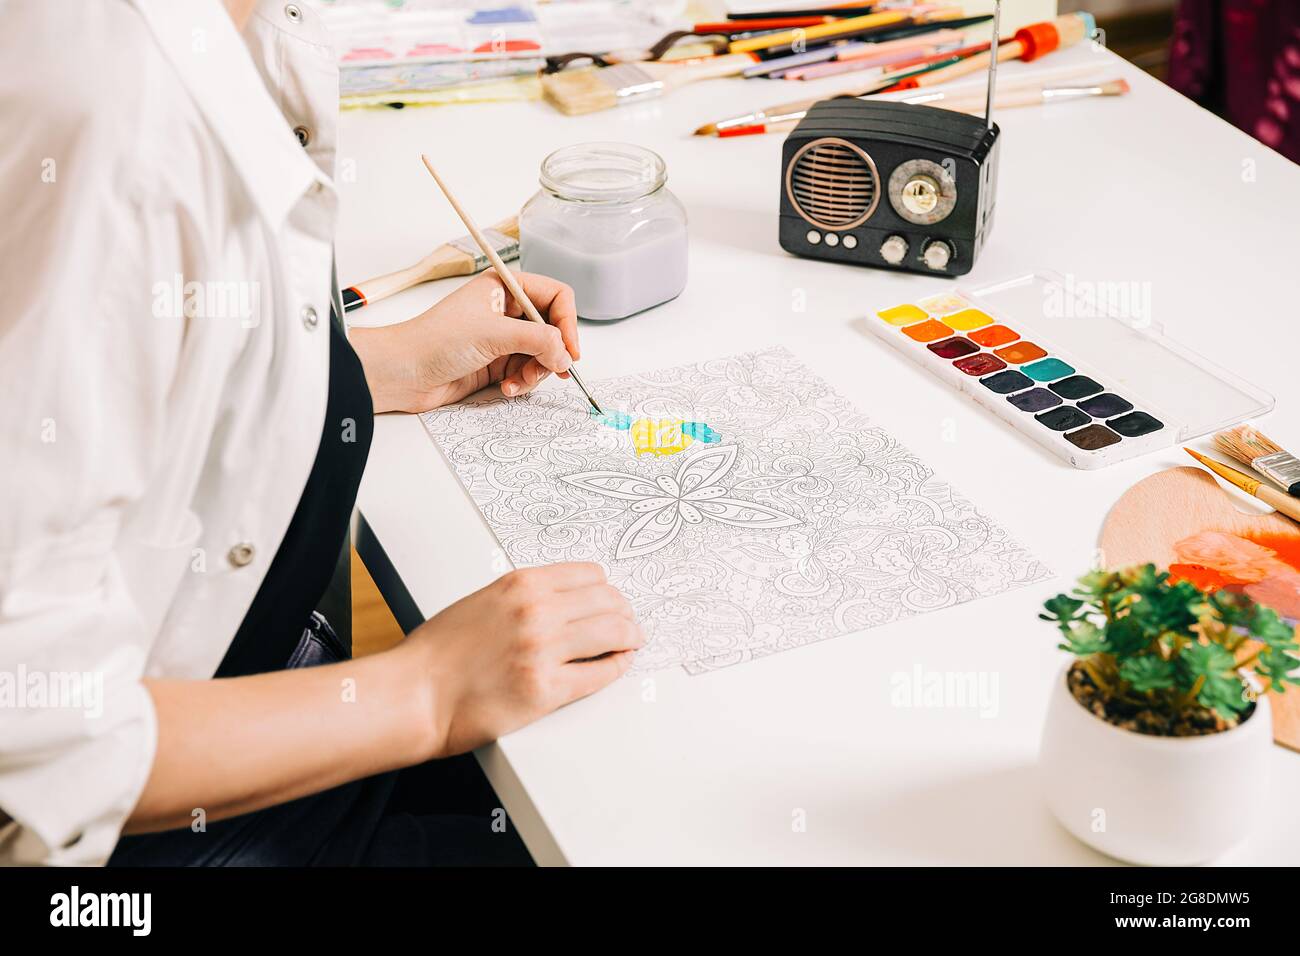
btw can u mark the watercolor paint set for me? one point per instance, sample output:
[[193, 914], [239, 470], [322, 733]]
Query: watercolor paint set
[[1083, 369]]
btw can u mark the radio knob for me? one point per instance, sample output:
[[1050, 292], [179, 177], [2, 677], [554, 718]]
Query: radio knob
[[937, 254], [920, 195], [894, 250]]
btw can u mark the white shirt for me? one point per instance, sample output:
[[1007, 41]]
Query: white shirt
[[165, 260]]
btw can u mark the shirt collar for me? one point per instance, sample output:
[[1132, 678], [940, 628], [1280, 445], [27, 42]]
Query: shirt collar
[[215, 67]]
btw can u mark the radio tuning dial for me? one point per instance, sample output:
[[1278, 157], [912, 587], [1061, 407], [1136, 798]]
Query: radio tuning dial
[[894, 250], [937, 254], [920, 195]]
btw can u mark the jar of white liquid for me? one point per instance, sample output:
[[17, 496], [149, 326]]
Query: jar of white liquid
[[604, 223]]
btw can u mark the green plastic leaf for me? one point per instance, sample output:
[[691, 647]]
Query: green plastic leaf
[[1061, 608], [1148, 673]]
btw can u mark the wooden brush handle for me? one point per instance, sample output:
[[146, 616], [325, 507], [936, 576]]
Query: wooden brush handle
[[1280, 500], [442, 263], [973, 64], [717, 66]]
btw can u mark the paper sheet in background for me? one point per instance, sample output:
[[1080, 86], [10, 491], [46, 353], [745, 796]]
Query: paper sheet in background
[[801, 522]]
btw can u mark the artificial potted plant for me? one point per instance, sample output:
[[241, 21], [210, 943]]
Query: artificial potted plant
[[1157, 734]]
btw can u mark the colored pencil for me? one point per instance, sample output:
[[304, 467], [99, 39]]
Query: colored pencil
[[786, 37], [753, 26], [799, 107], [880, 34], [1028, 44], [847, 10]]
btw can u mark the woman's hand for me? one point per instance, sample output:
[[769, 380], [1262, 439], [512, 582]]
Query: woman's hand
[[526, 644], [471, 339], [530, 642]]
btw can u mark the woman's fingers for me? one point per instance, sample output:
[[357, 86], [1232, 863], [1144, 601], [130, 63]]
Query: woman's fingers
[[596, 636], [583, 678], [512, 378], [523, 374], [565, 576], [542, 342], [593, 600], [555, 301]]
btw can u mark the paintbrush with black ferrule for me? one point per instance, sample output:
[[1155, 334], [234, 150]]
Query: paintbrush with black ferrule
[[460, 257]]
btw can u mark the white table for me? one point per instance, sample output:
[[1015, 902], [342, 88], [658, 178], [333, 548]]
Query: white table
[[722, 768]]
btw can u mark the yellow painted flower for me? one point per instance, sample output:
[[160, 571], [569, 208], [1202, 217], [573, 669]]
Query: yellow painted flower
[[659, 436]]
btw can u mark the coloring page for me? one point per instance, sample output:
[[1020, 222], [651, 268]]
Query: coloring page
[[740, 504]]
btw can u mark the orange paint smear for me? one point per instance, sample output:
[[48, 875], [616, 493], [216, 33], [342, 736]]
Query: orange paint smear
[[1285, 546], [1206, 579], [1266, 566]]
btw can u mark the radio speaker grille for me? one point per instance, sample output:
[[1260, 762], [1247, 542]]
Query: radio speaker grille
[[832, 184]]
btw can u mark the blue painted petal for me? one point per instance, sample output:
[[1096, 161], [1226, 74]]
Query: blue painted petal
[[701, 432]]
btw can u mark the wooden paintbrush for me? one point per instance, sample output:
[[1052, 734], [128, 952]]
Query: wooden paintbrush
[[503, 272], [1251, 485], [1271, 460], [592, 89], [460, 257]]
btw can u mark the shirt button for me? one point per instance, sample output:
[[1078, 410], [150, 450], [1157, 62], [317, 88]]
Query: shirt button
[[292, 12], [309, 317], [241, 554], [303, 134]]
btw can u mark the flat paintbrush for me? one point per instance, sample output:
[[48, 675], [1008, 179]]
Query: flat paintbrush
[[460, 257], [591, 89], [503, 272], [1270, 459]]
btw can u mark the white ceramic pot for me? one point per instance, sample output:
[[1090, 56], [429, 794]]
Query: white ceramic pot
[[1161, 801]]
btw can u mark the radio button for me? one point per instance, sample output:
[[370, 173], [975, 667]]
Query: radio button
[[832, 239], [850, 241], [894, 250], [813, 236], [937, 254]]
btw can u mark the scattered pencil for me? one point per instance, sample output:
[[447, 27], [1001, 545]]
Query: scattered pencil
[[1029, 43], [808, 34]]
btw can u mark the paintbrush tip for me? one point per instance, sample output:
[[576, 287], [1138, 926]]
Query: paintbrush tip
[[708, 129]]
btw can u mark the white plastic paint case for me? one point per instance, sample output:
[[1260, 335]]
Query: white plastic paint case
[[1114, 341]]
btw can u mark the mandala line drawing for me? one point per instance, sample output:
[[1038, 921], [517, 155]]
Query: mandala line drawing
[[669, 502], [793, 520]]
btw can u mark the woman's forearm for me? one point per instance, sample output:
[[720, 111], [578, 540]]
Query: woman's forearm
[[234, 745]]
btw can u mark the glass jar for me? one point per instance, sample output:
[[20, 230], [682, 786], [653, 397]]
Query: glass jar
[[604, 223]]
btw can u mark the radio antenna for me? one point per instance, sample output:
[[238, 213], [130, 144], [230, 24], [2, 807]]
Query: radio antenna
[[993, 63]]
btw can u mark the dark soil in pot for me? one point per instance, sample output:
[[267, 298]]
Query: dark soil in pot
[[1127, 715]]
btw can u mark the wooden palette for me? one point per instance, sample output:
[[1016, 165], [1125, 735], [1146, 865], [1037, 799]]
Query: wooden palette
[[1174, 504]]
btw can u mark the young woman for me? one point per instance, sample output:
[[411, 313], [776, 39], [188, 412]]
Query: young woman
[[186, 421]]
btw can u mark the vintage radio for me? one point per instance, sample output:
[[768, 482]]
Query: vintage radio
[[891, 185]]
